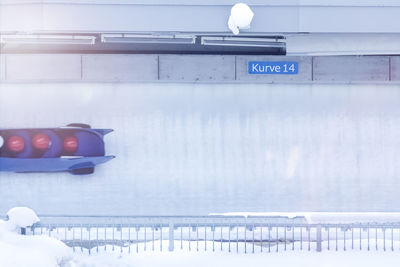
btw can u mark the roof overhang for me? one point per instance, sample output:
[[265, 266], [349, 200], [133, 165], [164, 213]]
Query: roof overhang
[[274, 16], [294, 27]]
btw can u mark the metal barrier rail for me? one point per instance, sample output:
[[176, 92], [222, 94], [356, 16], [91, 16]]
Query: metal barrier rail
[[232, 234]]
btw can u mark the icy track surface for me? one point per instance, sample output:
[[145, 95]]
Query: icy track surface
[[204, 148]]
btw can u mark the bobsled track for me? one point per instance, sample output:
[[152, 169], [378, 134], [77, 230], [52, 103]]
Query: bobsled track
[[194, 149]]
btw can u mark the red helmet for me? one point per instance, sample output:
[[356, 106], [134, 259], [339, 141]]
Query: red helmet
[[16, 144], [70, 144], [41, 141]]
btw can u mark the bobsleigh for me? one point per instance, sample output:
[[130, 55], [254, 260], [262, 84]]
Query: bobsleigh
[[76, 148]]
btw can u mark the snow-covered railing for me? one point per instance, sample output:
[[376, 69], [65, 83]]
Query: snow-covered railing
[[216, 233]]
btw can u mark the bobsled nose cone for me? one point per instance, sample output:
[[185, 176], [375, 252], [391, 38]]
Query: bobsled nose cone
[[103, 131]]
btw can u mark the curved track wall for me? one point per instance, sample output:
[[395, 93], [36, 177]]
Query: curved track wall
[[198, 148]]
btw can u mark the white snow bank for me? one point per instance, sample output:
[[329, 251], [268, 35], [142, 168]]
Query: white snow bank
[[47, 250], [20, 250], [353, 217], [288, 215], [240, 18], [193, 258], [326, 217], [12, 255]]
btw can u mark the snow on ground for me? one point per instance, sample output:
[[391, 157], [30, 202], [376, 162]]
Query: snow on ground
[[184, 258], [19, 250], [45, 251]]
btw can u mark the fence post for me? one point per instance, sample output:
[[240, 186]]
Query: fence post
[[171, 236], [319, 238]]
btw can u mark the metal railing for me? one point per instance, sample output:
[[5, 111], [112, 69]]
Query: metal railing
[[215, 233]]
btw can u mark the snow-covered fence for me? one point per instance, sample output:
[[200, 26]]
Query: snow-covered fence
[[216, 233]]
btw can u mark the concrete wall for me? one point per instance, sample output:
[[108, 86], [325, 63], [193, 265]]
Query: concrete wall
[[395, 68], [197, 68], [192, 68], [45, 67], [119, 68], [351, 68]]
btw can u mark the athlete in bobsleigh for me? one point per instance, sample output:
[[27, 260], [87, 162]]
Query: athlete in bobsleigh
[[75, 148]]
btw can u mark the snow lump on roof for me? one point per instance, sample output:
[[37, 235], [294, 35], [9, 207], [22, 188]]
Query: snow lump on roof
[[240, 18]]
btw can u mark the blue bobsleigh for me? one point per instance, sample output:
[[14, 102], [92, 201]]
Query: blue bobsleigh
[[75, 148]]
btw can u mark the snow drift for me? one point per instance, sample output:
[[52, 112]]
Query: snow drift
[[20, 250]]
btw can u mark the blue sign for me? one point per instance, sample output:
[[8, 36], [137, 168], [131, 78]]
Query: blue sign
[[270, 67]]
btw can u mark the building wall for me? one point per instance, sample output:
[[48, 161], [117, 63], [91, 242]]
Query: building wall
[[275, 16]]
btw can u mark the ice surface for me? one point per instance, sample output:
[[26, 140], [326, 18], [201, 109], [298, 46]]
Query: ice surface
[[201, 148]]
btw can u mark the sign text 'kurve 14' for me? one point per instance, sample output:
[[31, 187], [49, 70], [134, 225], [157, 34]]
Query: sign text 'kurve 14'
[[269, 67]]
